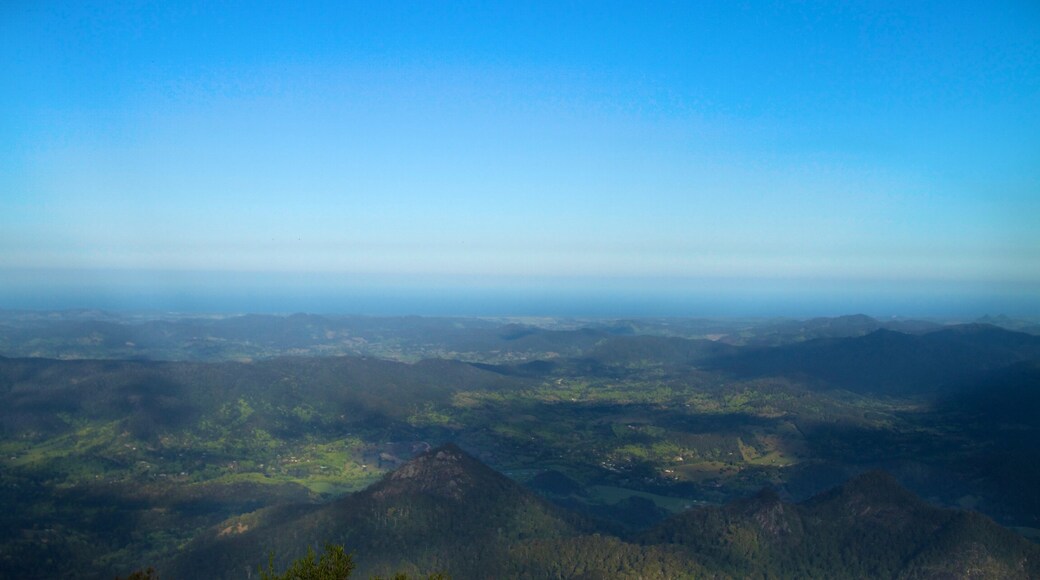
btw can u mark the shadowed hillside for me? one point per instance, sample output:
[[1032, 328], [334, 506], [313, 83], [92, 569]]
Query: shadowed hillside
[[870, 527], [887, 361], [445, 511]]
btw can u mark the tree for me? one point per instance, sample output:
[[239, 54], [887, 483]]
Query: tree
[[334, 564]]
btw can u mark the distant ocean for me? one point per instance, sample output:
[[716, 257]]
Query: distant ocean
[[255, 293]]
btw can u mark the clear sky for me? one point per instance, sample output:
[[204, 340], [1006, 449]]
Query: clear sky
[[823, 157]]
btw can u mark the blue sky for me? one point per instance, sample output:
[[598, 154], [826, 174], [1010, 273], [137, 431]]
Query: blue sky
[[852, 156]]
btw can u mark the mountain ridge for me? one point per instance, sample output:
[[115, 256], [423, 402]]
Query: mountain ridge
[[447, 511], [443, 509], [888, 361]]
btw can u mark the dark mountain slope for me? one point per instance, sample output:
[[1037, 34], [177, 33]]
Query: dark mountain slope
[[1001, 413], [740, 536], [886, 361], [446, 511], [1009, 396], [870, 527]]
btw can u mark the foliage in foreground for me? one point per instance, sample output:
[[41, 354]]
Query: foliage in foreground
[[333, 564]]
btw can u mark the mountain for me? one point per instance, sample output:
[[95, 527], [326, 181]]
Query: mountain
[[864, 355], [792, 331], [444, 510], [887, 361], [870, 527], [107, 465], [1004, 321]]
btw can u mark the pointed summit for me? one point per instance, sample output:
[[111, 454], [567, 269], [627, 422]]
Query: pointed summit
[[445, 472], [873, 495], [443, 510]]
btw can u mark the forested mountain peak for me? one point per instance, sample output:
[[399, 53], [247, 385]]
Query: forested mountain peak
[[874, 499], [868, 527], [768, 511], [442, 511], [876, 486], [444, 472]]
